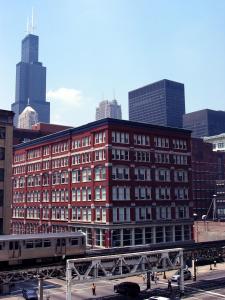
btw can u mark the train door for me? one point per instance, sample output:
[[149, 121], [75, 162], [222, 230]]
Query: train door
[[61, 246], [14, 249]]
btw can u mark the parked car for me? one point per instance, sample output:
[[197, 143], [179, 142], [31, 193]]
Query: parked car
[[176, 276], [29, 294], [127, 288]]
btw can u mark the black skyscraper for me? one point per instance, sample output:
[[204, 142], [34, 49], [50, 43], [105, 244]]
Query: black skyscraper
[[160, 103], [31, 82], [205, 122]]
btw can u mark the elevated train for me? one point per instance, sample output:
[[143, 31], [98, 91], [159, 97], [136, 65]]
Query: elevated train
[[29, 249]]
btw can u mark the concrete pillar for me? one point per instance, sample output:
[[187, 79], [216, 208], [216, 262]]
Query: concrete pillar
[[132, 237], [121, 237], [153, 235]]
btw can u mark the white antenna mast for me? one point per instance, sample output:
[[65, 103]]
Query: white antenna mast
[[32, 21]]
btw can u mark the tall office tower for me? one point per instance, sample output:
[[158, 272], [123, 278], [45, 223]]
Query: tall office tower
[[28, 118], [31, 82], [108, 109], [6, 141], [160, 103], [205, 122]]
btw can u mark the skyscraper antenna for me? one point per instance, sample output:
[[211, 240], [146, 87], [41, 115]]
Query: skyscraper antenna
[[32, 21]]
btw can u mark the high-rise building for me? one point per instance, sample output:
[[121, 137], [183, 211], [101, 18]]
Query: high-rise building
[[160, 103], [108, 109], [205, 122], [28, 118], [123, 183], [6, 141], [31, 82]]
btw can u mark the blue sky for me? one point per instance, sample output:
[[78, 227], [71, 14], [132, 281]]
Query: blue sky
[[92, 47]]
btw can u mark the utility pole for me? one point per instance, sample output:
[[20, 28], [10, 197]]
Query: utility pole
[[40, 286]]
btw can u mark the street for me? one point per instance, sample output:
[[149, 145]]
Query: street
[[209, 286]]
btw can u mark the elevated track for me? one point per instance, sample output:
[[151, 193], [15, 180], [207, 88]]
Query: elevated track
[[193, 250]]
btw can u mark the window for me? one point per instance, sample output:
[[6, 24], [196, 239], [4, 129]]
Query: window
[[99, 155], [76, 176], [46, 150], [179, 144], [142, 156], [45, 179], [121, 214], [162, 193], [142, 213], [142, 173], [1, 174], [120, 173], [47, 243], [100, 137], [76, 159], [178, 233], [64, 177], [162, 175], [140, 139], [76, 144], [120, 193], [74, 242], [163, 213], [86, 141], [180, 159], [120, 154], [2, 132], [142, 193], [100, 193], [161, 142], [181, 193], [97, 214], [2, 153], [56, 178], [120, 137], [162, 158], [86, 175], [182, 212], [159, 234], [180, 176], [100, 173], [138, 236]]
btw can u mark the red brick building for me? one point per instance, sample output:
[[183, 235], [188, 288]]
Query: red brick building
[[121, 182]]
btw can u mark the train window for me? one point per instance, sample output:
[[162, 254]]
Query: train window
[[38, 243], [1, 247], [63, 242], [47, 243], [74, 242], [29, 244], [58, 242]]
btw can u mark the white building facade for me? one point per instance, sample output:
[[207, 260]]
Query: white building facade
[[108, 109]]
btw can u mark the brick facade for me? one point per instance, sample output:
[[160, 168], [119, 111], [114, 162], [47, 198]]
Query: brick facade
[[121, 182]]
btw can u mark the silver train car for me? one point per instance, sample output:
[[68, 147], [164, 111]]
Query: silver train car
[[47, 247]]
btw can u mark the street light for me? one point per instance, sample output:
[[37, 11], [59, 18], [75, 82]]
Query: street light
[[195, 273], [214, 207]]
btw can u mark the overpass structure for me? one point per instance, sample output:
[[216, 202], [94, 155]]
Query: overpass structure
[[123, 265]]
